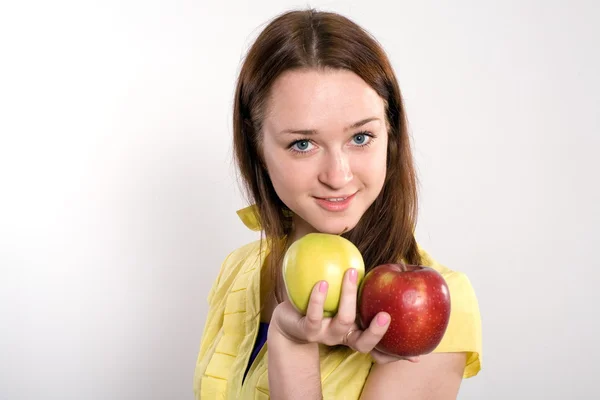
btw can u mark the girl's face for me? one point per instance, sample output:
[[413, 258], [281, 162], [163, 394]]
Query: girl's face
[[325, 146]]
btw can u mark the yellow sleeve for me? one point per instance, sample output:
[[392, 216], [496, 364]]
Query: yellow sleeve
[[214, 315], [212, 324], [464, 328], [217, 280]]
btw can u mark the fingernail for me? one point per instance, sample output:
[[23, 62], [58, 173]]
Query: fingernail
[[353, 275], [323, 287], [382, 319]]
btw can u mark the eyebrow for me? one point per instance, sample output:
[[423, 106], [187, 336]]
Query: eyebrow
[[313, 131]]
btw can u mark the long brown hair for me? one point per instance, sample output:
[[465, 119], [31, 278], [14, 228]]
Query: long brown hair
[[303, 39]]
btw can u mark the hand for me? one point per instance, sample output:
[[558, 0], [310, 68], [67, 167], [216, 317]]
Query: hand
[[340, 329]]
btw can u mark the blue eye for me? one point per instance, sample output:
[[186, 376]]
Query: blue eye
[[301, 146], [362, 139]]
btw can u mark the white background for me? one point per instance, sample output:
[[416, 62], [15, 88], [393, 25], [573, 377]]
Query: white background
[[118, 195]]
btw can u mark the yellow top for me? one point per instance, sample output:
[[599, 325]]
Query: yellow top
[[233, 320]]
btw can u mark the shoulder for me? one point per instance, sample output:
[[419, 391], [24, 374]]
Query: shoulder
[[233, 264], [463, 334], [462, 293], [457, 281], [458, 356]]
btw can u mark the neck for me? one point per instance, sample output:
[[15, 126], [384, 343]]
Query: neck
[[299, 228]]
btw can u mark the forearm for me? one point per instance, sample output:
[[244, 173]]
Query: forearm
[[294, 369]]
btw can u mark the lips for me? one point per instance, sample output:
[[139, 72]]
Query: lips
[[334, 199], [335, 203]]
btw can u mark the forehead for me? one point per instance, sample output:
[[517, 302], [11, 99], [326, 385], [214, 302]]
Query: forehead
[[314, 99]]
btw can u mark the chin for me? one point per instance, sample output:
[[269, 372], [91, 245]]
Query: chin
[[335, 227]]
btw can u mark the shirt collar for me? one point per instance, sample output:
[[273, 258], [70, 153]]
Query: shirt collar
[[249, 216]]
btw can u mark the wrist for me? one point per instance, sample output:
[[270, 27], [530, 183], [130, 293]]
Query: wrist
[[300, 379], [277, 338]]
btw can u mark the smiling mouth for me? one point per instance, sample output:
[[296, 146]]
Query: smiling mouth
[[336, 199], [335, 204]]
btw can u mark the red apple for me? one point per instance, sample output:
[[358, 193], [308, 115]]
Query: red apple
[[418, 300]]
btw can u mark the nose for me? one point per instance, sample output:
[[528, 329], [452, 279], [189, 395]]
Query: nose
[[335, 171]]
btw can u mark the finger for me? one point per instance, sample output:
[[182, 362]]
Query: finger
[[369, 338], [346, 314], [314, 312], [287, 320], [350, 337], [384, 358]]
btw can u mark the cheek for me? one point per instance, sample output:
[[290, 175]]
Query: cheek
[[287, 177], [373, 167]]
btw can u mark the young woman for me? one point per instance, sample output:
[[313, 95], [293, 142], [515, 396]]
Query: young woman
[[321, 142]]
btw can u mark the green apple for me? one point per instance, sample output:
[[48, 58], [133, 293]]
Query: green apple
[[316, 257]]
